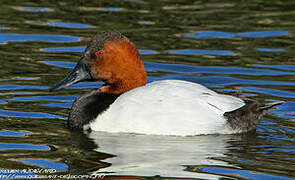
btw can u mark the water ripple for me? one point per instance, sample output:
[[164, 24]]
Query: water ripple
[[6, 37], [282, 67], [243, 173], [34, 9], [35, 115], [263, 34], [270, 50], [44, 98], [2, 102], [70, 25], [8, 133], [211, 34], [180, 68], [273, 92], [220, 34], [65, 49], [16, 93], [61, 64], [286, 110], [146, 22], [143, 51], [110, 9], [58, 105], [22, 146], [45, 163], [17, 87], [196, 51]]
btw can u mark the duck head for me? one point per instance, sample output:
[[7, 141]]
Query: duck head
[[109, 57]]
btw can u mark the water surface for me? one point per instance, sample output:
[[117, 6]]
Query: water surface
[[238, 47]]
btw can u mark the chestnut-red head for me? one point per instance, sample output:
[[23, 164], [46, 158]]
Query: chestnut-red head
[[109, 57]]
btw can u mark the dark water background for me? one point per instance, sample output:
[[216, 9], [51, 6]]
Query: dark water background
[[232, 46]]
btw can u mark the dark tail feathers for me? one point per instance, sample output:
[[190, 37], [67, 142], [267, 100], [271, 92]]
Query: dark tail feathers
[[270, 105]]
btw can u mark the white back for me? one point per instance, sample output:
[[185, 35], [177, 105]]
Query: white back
[[168, 107]]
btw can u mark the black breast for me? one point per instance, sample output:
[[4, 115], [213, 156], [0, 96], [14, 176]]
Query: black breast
[[87, 106]]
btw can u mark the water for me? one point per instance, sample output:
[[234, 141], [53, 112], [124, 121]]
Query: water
[[245, 47]]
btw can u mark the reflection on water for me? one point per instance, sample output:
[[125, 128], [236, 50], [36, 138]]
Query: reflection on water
[[9, 133], [245, 174], [219, 34], [195, 51], [45, 163], [246, 48], [38, 115], [33, 9], [270, 50], [283, 67], [4, 38], [110, 9], [167, 156], [14, 146], [69, 25]]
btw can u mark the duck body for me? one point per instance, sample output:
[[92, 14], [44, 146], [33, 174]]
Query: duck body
[[168, 107], [125, 103]]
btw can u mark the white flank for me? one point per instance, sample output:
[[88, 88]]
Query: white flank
[[168, 107]]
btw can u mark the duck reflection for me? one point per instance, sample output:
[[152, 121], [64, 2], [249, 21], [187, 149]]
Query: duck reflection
[[146, 155]]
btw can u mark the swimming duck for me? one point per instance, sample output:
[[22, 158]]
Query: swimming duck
[[126, 103]]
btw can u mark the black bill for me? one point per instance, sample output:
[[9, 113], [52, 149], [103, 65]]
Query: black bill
[[79, 73]]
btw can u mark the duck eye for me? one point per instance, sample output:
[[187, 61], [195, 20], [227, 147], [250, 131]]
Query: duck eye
[[100, 52]]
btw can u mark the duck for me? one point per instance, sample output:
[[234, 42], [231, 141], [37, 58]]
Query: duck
[[126, 103]]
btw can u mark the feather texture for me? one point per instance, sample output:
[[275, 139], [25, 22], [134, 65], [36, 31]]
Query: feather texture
[[168, 107]]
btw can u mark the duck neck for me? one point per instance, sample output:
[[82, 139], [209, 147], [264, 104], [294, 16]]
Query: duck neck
[[123, 85]]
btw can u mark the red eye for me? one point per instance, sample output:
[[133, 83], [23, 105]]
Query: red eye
[[100, 52]]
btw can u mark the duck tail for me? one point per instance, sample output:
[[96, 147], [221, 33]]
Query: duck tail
[[270, 105]]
